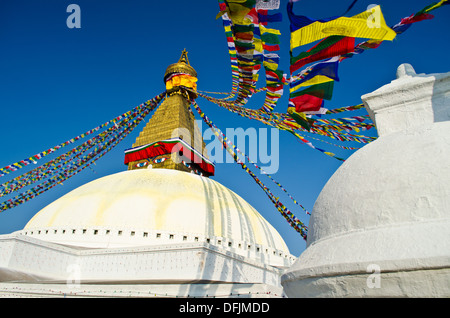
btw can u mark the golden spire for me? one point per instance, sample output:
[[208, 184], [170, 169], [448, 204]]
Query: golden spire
[[184, 57], [181, 67], [172, 139]]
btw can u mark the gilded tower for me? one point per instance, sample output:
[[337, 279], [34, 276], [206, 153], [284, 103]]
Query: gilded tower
[[172, 139]]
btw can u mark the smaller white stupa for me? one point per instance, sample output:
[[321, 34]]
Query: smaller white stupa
[[381, 225]]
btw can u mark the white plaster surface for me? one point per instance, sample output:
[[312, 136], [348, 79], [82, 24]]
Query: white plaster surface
[[28, 263], [158, 206], [388, 205]]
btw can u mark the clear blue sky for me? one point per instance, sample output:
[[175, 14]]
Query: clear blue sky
[[56, 83]]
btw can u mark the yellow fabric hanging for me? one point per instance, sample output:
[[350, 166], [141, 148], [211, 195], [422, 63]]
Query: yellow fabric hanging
[[435, 6], [270, 66], [182, 80], [368, 24], [263, 30], [238, 12], [319, 79], [258, 45]]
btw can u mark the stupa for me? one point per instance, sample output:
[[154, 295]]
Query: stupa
[[162, 228], [381, 225]]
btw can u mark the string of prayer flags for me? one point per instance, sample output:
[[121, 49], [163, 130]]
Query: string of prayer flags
[[65, 160], [345, 109], [325, 71], [237, 9], [253, 37], [248, 39], [398, 28], [305, 103], [368, 24], [334, 145], [225, 139], [235, 69], [346, 126], [275, 79], [269, 36], [231, 149], [434, 6], [301, 119], [285, 122], [330, 47], [33, 159], [65, 166], [51, 167], [264, 17], [308, 143], [323, 91], [300, 21], [423, 14], [58, 179]]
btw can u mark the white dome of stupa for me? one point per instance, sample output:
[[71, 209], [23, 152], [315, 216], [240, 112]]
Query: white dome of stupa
[[156, 207]]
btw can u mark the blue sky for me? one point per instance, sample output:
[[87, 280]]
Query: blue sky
[[56, 83]]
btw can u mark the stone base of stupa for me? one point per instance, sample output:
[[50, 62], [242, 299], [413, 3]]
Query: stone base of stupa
[[31, 267], [389, 262], [141, 290]]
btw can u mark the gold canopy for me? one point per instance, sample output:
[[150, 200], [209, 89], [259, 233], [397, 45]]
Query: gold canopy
[[182, 66]]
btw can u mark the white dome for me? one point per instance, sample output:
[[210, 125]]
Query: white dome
[[387, 206], [398, 180], [153, 207]]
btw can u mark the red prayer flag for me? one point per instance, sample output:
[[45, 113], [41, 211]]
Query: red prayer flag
[[344, 46], [420, 17], [306, 103], [271, 48]]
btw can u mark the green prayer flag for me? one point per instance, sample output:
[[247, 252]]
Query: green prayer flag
[[327, 42], [323, 90]]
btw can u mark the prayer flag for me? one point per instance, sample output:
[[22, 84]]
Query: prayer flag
[[301, 119], [324, 91], [319, 73], [300, 21], [368, 24], [305, 103], [264, 18], [327, 48]]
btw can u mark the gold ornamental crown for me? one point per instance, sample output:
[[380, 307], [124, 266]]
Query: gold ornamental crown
[[182, 66]]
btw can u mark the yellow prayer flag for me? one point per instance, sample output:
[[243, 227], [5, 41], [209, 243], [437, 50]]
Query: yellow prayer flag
[[270, 66], [263, 30], [258, 45], [238, 12], [435, 6], [319, 79], [244, 63], [368, 24]]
